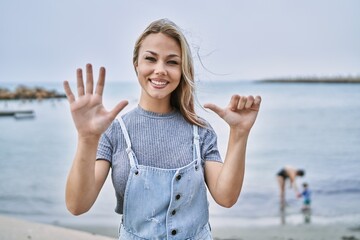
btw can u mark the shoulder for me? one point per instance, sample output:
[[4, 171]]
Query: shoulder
[[207, 130], [113, 131]]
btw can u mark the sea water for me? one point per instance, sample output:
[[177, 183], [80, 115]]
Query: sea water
[[311, 126]]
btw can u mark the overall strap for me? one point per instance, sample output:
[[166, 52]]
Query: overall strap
[[129, 151], [197, 155]]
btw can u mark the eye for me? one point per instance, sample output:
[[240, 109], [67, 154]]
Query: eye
[[150, 59], [173, 62]]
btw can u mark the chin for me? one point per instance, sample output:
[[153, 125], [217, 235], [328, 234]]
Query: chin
[[160, 96]]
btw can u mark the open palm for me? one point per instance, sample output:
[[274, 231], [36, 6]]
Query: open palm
[[88, 112]]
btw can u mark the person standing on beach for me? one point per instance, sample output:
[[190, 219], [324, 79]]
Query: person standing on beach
[[288, 173], [306, 209], [161, 154], [306, 194]]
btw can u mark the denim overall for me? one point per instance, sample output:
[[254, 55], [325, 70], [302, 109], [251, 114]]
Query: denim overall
[[165, 203]]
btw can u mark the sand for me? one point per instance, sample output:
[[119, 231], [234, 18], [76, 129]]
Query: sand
[[16, 229], [300, 232]]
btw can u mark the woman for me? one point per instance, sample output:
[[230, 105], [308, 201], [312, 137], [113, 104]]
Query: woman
[[162, 155]]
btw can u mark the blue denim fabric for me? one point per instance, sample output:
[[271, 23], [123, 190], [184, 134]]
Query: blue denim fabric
[[165, 203]]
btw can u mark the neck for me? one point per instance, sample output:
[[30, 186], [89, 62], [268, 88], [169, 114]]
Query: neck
[[157, 106]]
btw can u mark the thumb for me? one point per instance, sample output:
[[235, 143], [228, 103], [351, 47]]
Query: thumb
[[219, 111], [120, 106]]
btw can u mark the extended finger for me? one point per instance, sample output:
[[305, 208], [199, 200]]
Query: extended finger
[[89, 79], [219, 111], [249, 102], [101, 82], [80, 82], [234, 102], [70, 96], [120, 106]]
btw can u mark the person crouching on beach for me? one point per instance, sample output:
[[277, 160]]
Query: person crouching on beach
[[161, 154], [285, 174]]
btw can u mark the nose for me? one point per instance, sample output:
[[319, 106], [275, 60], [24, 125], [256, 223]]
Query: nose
[[160, 68]]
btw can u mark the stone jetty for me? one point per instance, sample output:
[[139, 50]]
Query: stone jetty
[[23, 92], [340, 79]]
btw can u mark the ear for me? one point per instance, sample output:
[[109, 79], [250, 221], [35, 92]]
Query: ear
[[136, 69]]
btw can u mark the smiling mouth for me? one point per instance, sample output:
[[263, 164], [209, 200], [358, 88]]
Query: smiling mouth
[[158, 83]]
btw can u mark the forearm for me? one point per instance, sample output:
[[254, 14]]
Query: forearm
[[81, 188], [230, 180]]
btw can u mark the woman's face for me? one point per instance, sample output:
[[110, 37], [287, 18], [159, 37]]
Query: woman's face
[[158, 67]]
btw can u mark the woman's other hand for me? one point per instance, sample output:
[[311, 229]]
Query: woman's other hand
[[240, 113]]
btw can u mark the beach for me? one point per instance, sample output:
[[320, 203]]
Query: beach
[[310, 126], [16, 229], [300, 232]]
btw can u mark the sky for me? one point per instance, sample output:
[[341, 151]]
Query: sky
[[47, 40]]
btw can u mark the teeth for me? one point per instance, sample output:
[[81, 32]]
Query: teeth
[[158, 82]]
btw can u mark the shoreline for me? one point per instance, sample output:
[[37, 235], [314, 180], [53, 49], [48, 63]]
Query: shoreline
[[18, 229], [311, 80], [286, 232]]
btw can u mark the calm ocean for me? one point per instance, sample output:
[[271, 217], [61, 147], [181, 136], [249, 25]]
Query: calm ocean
[[311, 126]]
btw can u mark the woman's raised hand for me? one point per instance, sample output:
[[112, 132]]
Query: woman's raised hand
[[240, 113], [89, 115]]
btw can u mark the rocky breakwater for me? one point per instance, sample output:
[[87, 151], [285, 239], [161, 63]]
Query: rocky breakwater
[[23, 92]]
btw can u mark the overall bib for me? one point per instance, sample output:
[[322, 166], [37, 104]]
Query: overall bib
[[165, 203]]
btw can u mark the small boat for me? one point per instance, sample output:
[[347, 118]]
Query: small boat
[[18, 114], [22, 115]]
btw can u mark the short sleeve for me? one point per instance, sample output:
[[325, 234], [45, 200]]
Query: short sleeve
[[208, 145], [106, 146]]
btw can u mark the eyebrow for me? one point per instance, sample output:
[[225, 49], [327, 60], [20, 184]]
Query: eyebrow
[[170, 55]]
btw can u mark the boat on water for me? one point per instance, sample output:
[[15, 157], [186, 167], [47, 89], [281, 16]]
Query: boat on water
[[18, 114]]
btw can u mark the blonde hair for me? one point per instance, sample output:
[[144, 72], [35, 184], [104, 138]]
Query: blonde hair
[[183, 96]]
